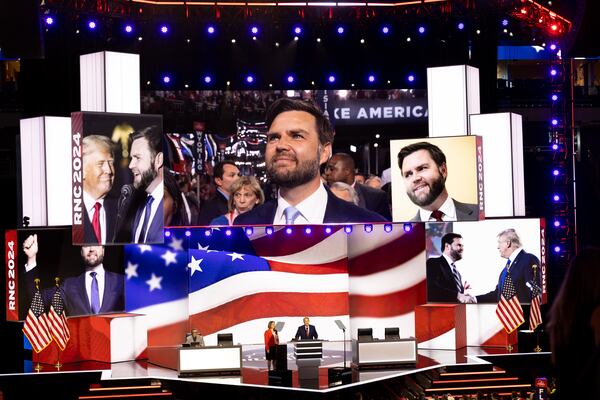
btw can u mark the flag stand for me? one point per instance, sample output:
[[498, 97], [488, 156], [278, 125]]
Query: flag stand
[[537, 347], [58, 364], [38, 367]]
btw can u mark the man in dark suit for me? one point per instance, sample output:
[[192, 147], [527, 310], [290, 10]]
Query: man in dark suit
[[98, 178], [306, 331], [94, 291], [424, 171], [340, 168], [147, 167], [225, 174], [519, 265], [444, 282], [298, 142]]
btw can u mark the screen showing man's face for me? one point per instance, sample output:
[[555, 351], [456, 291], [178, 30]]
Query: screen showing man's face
[[98, 172], [456, 249], [423, 179], [293, 154], [142, 164], [92, 255]]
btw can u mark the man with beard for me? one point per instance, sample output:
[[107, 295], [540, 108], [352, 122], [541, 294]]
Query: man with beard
[[94, 291], [98, 178], [423, 167], [444, 282], [145, 149], [298, 142]]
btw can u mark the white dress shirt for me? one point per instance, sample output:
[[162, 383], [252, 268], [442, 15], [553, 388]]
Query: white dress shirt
[[447, 208], [157, 194], [312, 209]]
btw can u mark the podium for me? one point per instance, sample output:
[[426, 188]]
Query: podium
[[441, 326], [308, 355], [384, 353], [281, 357], [210, 360]]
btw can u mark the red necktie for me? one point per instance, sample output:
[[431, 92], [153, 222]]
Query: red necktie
[[437, 215], [96, 222]]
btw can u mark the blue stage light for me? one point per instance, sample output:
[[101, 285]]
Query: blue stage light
[[368, 228], [328, 230], [348, 229], [254, 30], [188, 233], [92, 24], [407, 227], [228, 232], [164, 29], [385, 29], [249, 79], [210, 29], [290, 78], [308, 230], [167, 233], [249, 231], [340, 30], [128, 28], [331, 78], [269, 230], [207, 79], [166, 79], [49, 20], [288, 230], [387, 228], [371, 78], [421, 29], [460, 26]]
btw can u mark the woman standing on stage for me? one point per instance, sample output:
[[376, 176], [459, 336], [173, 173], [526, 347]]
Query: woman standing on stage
[[271, 340]]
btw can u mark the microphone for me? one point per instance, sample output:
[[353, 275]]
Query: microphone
[[122, 206]]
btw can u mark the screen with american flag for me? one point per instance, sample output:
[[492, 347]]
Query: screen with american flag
[[509, 310]]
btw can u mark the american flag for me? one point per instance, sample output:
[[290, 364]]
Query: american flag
[[59, 326], [36, 324], [509, 309], [535, 312]]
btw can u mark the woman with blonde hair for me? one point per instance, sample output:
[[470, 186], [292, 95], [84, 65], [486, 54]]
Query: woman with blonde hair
[[245, 194]]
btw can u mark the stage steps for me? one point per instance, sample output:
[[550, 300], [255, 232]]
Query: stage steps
[[127, 389]]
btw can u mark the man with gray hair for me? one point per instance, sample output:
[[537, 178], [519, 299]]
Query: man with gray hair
[[98, 178], [519, 267]]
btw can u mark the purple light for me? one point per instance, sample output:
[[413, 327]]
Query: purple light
[[504, 22], [249, 79], [249, 231], [385, 29], [331, 79], [290, 78], [328, 230], [554, 97], [371, 78], [207, 79], [421, 30], [556, 197], [407, 227], [167, 233], [254, 30], [555, 172], [269, 230], [228, 232], [411, 78], [188, 233], [460, 26], [297, 30], [164, 29], [553, 72], [210, 29], [288, 230], [557, 223], [340, 30], [348, 229], [49, 20], [92, 25], [368, 228], [308, 230], [166, 79], [557, 249], [387, 228], [207, 232], [554, 146], [552, 46], [128, 28], [554, 121]]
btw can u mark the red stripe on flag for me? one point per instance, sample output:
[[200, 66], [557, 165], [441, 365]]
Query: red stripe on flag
[[334, 267], [387, 256], [388, 305], [272, 304], [293, 243]]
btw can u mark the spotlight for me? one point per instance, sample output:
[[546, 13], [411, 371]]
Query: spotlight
[[504, 22], [554, 146], [554, 122], [552, 47], [49, 20], [557, 249], [92, 24], [387, 228], [460, 26], [371, 78], [269, 230], [249, 231], [556, 223], [166, 79], [411, 78], [362, 41], [290, 78], [297, 30], [331, 78], [228, 232], [340, 30], [407, 227], [128, 28], [254, 30], [368, 228], [207, 232], [421, 29], [554, 97], [318, 40], [188, 233], [556, 197], [328, 230], [164, 29], [554, 27], [210, 30], [555, 172], [348, 229], [553, 72], [296, 38], [308, 230], [249, 79], [167, 233], [288, 230], [385, 29], [207, 79]]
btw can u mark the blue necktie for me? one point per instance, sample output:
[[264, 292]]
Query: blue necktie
[[291, 213], [95, 293], [142, 237]]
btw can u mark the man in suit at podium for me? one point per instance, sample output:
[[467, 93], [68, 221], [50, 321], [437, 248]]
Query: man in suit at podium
[[195, 339], [306, 331]]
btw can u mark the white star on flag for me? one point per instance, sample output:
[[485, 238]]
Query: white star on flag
[[176, 244], [206, 249], [131, 270], [154, 282], [235, 256], [169, 258], [144, 248], [194, 265]]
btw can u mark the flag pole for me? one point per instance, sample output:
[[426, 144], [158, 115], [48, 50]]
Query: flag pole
[[58, 364], [37, 367], [537, 347]]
